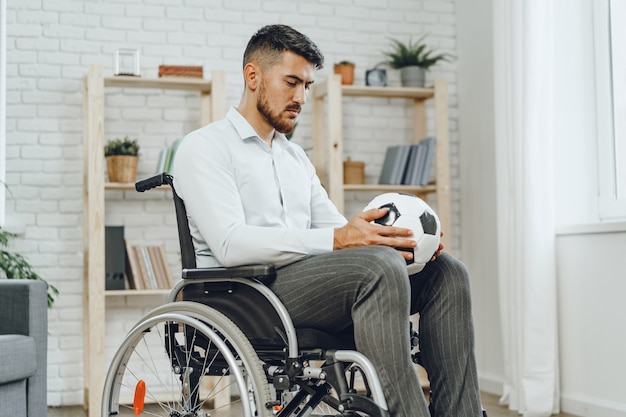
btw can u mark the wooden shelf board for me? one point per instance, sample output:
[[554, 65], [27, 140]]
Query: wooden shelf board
[[121, 293], [119, 185], [413, 189], [321, 89], [175, 83], [128, 186], [388, 92]]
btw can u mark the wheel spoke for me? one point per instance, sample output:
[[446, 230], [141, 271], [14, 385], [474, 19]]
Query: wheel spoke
[[173, 349]]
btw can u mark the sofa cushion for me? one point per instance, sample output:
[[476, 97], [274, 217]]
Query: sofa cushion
[[19, 360]]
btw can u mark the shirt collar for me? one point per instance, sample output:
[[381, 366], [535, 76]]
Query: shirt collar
[[245, 130]]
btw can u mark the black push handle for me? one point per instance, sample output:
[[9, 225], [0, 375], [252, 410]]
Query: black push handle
[[154, 181]]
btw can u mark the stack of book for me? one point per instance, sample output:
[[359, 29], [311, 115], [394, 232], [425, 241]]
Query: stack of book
[[147, 268], [408, 164]]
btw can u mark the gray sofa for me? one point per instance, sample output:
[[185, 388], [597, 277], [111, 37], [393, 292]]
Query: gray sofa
[[23, 348]]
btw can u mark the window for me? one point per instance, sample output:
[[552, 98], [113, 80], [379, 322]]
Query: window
[[610, 61]]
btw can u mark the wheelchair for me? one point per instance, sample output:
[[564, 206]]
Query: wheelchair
[[224, 345]]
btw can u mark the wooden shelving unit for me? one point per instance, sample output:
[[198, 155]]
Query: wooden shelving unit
[[212, 107], [327, 123]]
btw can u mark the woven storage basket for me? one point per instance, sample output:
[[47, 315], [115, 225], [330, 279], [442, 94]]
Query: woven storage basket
[[122, 168]]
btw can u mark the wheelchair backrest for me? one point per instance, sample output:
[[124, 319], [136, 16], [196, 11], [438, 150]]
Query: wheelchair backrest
[[247, 308], [187, 251]]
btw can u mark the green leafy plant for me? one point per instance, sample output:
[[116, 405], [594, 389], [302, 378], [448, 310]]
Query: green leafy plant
[[350, 63], [124, 146], [413, 54], [15, 266]]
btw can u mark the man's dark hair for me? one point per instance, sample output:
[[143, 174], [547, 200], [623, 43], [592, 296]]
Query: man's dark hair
[[268, 43]]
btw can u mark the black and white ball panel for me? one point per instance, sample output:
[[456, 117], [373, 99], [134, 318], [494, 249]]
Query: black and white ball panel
[[411, 212]]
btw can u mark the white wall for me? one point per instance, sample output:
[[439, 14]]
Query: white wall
[[590, 256], [478, 182], [591, 269], [50, 45]]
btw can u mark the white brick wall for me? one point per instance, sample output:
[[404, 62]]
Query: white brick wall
[[50, 45]]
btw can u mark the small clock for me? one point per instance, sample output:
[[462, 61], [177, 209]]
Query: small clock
[[376, 77]]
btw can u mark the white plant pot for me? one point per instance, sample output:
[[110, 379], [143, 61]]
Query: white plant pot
[[412, 76]]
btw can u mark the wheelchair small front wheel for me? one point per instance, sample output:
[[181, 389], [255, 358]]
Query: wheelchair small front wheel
[[186, 359]]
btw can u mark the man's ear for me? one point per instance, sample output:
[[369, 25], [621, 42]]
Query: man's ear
[[251, 75]]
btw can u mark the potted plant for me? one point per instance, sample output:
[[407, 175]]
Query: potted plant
[[122, 156], [413, 59], [15, 266], [346, 70]]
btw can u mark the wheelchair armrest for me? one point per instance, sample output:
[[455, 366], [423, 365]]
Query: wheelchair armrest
[[262, 273]]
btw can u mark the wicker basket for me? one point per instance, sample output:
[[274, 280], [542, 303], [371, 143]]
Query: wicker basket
[[122, 168], [353, 172]]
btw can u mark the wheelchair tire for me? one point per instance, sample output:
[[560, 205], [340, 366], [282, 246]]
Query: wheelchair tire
[[193, 361]]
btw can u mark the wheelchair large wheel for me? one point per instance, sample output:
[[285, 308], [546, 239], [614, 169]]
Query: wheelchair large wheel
[[185, 359]]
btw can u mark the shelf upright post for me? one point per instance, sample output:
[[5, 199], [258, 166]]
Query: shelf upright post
[[212, 102], [335, 141], [318, 130], [419, 120], [93, 253], [442, 160]]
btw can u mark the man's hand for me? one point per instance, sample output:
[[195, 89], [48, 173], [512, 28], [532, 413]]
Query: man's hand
[[360, 232], [438, 253]]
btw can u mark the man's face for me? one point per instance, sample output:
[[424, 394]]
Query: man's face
[[283, 89]]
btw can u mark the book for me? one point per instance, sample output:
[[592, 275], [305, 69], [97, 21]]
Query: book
[[160, 266], [394, 164], [421, 154], [147, 267], [411, 166], [400, 167], [115, 257], [166, 268], [165, 162], [388, 163], [133, 272], [429, 146], [142, 277]]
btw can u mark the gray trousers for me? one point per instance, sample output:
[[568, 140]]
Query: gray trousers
[[368, 288]]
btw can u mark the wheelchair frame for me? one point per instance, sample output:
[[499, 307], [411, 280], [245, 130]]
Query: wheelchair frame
[[285, 366]]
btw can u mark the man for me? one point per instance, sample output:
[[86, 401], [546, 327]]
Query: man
[[253, 197]]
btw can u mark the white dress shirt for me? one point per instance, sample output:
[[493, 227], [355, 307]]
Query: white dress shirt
[[248, 203]]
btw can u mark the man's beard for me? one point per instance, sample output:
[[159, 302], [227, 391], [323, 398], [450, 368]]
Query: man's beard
[[281, 125]]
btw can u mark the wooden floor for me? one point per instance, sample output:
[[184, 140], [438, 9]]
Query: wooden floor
[[490, 402]]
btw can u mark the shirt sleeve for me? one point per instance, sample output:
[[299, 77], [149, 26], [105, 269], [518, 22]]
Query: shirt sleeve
[[205, 179]]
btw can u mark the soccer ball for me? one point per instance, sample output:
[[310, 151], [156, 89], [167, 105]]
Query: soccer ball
[[411, 212]]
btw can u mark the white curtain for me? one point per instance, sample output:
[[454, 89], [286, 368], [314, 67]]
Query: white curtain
[[523, 60]]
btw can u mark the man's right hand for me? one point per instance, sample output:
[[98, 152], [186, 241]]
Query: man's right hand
[[361, 232]]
